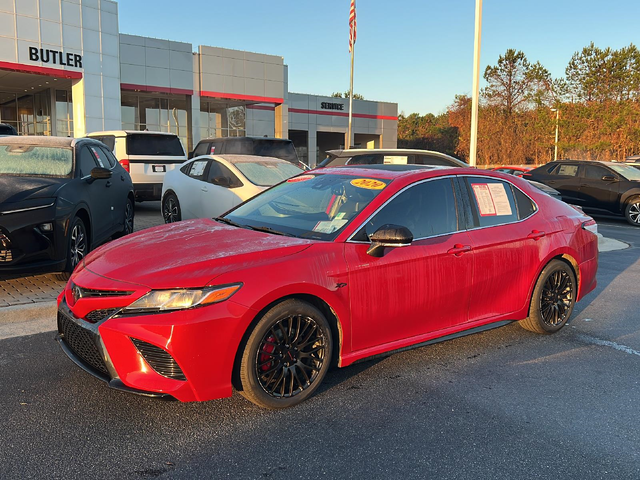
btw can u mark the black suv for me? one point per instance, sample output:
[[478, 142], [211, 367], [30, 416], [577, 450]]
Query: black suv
[[605, 187], [6, 129]]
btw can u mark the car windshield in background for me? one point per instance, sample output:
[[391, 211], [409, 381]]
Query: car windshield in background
[[309, 206], [266, 174], [263, 148], [627, 171], [33, 160], [159, 145]]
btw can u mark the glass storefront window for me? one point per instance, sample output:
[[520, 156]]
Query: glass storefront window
[[221, 121], [29, 114], [64, 113]]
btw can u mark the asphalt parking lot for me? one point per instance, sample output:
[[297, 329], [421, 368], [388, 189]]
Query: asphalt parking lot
[[502, 404]]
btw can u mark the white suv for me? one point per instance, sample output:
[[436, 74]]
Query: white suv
[[147, 156]]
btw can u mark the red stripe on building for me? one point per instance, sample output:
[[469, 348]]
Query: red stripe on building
[[235, 96], [261, 107], [154, 89], [342, 114], [49, 72]]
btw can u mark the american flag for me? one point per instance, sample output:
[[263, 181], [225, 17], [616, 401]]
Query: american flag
[[352, 25]]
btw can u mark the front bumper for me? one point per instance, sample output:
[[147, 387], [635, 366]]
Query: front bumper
[[202, 343]]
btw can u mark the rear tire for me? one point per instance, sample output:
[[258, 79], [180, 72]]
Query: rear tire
[[632, 211], [553, 299], [286, 356], [171, 208]]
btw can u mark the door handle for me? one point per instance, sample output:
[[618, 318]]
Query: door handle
[[458, 249], [536, 235], [108, 184]]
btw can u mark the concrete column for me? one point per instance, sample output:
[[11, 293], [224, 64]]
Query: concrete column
[[353, 137], [282, 121], [312, 145], [79, 111]]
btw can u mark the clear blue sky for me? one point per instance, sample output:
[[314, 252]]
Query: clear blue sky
[[418, 53]]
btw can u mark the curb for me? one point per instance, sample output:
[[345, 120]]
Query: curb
[[609, 244], [20, 320]]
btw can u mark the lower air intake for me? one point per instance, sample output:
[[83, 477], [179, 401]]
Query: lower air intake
[[159, 360], [81, 342]]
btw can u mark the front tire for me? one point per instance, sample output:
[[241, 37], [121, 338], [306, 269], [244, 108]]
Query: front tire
[[632, 211], [171, 209], [553, 299], [286, 356], [128, 220], [77, 247]]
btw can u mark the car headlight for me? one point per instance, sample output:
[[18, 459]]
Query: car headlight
[[172, 300]]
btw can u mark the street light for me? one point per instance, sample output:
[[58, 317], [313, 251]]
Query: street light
[[473, 147], [555, 153]]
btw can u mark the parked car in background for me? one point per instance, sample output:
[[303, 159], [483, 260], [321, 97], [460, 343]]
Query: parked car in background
[[147, 156], [634, 161], [329, 267], [598, 187], [59, 198], [512, 170], [395, 156], [6, 129], [209, 185], [259, 146]]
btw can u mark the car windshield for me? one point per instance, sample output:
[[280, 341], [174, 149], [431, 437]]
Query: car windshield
[[627, 171], [34, 160], [309, 206], [282, 149], [268, 173]]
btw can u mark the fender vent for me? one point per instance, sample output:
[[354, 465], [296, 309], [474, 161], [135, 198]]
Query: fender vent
[[160, 360]]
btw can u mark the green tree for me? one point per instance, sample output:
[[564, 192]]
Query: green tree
[[514, 81], [356, 96]]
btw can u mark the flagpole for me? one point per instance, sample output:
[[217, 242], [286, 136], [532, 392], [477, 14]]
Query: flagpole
[[353, 48], [473, 147]]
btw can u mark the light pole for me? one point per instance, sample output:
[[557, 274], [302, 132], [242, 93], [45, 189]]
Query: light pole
[[473, 147], [555, 153]]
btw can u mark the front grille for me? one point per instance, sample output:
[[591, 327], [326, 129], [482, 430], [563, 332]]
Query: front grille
[[160, 361], [81, 292], [97, 315], [6, 255], [81, 342]]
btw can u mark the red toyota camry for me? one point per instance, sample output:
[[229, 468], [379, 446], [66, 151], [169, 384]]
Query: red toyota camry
[[330, 267]]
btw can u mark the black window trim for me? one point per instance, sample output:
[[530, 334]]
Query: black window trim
[[419, 182], [478, 227]]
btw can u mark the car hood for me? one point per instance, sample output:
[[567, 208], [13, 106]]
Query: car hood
[[188, 254], [14, 189]]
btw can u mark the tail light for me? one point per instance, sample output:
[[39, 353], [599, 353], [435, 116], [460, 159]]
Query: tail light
[[125, 164], [591, 226]]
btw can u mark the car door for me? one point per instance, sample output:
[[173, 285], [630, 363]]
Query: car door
[[417, 289], [598, 187], [564, 178], [119, 185], [96, 193], [507, 238], [189, 189], [217, 193]]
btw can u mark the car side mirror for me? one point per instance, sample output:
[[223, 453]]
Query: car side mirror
[[100, 173], [609, 178], [389, 235]]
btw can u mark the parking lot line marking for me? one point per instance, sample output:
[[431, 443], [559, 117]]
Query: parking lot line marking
[[607, 343]]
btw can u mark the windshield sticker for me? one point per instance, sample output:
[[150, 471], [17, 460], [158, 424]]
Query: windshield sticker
[[213, 150], [329, 226], [301, 178], [395, 160], [97, 157], [483, 199], [500, 199], [368, 183], [492, 199]]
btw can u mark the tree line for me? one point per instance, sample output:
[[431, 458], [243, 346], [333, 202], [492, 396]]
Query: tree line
[[597, 103]]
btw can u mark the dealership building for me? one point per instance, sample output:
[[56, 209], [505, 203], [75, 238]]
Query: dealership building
[[65, 69]]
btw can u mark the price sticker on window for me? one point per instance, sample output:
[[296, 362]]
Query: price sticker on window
[[368, 183]]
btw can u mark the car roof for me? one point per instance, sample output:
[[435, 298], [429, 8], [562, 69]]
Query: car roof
[[237, 139], [236, 158], [391, 151], [390, 172], [601, 162]]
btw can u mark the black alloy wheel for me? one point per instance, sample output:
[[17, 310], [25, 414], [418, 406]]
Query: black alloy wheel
[[128, 220], [553, 299], [171, 209], [632, 211], [77, 247], [286, 356]]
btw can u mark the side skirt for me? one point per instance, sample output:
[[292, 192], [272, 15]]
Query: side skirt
[[463, 333]]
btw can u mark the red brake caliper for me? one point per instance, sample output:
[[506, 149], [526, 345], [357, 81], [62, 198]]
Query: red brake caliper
[[264, 357]]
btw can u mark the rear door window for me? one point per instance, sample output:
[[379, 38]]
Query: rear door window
[[594, 173], [201, 149], [492, 201], [197, 169], [566, 170], [154, 145], [220, 175]]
